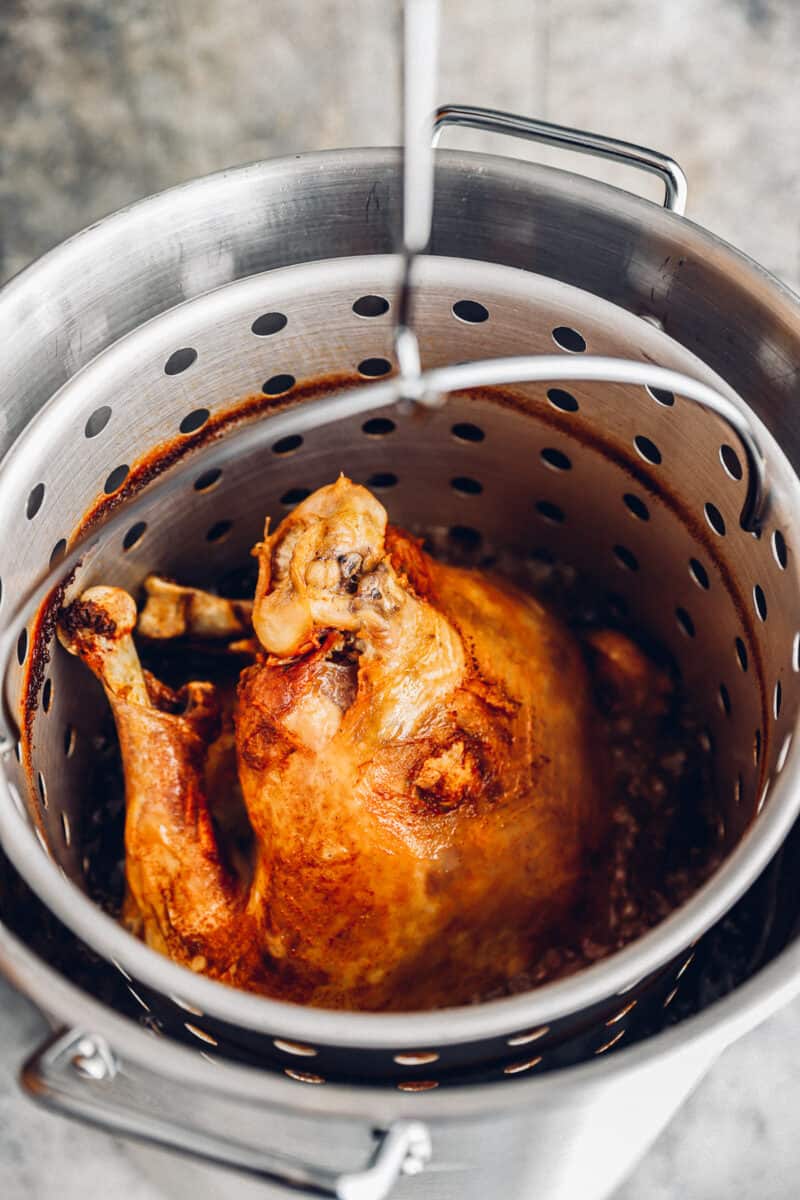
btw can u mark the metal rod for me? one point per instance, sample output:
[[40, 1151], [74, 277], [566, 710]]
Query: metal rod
[[597, 369], [420, 60]]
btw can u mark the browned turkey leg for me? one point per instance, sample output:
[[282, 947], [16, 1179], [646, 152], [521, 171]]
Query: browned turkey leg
[[180, 892]]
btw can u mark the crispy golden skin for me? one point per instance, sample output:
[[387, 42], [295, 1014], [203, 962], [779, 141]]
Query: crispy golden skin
[[416, 754]]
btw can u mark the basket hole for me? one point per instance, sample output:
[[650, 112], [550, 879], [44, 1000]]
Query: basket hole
[[777, 700], [724, 699], [699, 574], [372, 368], [741, 653], [626, 558], [134, 535], [303, 1076], [66, 829], [532, 1035], [371, 306], [269, 323], [465, 431], [294, 496], [116, 479], [636, 506], [616, 1038], [58, 551], [661, 396], [757, 747], [47, 694], [465, 538], [526, 1065], [557, 459], [382, 480], [278, 384], [466, 486], [685, 622], [784, 752], [200, 1034], [737, 790], [648, 450], [760, 601], [715, 518], [470, 311], [796, 652], [142, 1003], [762, 800], [35, 499], [42, 786], [564, 401], [378, 427], [186, 1006], [180, 360], [288, 445], [97, 421], [730, 461], [569, 339], [298, 1048], [22, 646], [219, 531], [419, 1058], [194, 420], [70, 741], [207, 480], [417, 1085], [550, 512], [779, 549]]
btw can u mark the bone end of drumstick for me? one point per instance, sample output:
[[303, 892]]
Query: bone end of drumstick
[[97, 627]]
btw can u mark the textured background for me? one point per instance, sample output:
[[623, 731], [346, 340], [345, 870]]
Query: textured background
[[103, 102]]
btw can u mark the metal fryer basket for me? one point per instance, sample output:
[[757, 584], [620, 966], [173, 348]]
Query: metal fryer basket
[[689, 572]]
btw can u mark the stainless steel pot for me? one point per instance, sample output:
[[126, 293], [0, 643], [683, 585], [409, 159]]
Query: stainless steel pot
[[593, 248]]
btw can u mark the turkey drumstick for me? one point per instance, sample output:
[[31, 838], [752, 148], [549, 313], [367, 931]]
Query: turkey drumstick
[[181, 896]]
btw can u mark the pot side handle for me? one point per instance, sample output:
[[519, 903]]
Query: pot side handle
[[491, 120], [76, 1074]]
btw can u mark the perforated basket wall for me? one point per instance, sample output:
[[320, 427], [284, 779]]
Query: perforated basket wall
[[641, 491]]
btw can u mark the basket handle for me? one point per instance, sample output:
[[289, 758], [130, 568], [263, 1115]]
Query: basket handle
[[77, 1075], [493, 121]]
